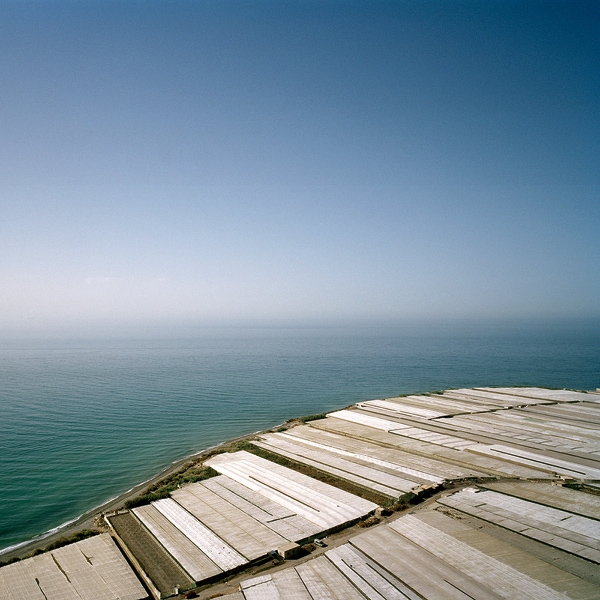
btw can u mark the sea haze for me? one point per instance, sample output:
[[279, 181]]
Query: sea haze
[[84, 421]]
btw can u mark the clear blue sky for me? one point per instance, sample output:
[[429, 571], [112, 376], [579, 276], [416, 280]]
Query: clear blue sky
[[202, 161]]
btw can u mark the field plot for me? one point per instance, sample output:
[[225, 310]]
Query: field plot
[[250, 538], [317, 502], [92, 568], [476, 465], [428, 407], [524, 429], [528, 433], [548, 462], [423, 556], [182, 548], [547, 494], [503, 397], [582, 414], [277, 517], [153, 559], [439, 437], [405, 408], [344, 573], [389, 472], [478, 573], [573, 533], [545, 394], [214, 527]]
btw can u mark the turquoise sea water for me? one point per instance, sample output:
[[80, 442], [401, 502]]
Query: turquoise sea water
[[84, 421]]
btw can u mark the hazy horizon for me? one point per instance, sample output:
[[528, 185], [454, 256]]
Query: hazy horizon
[[166, 165], [94, 331]]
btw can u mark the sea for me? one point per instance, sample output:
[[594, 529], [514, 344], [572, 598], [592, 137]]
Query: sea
[[84, 420]]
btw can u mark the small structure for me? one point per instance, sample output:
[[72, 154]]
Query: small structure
[[290, 550]]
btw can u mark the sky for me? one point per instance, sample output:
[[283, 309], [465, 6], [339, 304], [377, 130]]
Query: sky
[[187, 162]]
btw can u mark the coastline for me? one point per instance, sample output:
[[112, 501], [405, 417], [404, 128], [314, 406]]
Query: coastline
[[423, 455], [357, 368], [88, 519]]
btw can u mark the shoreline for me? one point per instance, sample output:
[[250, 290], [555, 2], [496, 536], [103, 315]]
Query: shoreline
[[88, 518]]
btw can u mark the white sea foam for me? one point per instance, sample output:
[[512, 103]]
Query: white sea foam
[[42, 536]]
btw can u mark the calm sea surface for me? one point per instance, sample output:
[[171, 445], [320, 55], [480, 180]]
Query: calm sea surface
[[84, 421]]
